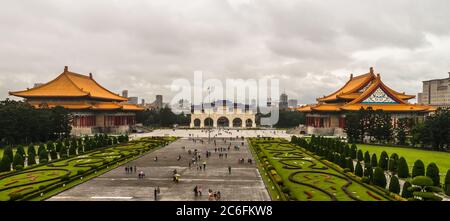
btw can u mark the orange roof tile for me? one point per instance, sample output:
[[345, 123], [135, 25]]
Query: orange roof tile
[[69, 84], [327, 107], [132, 107], [353, 85]]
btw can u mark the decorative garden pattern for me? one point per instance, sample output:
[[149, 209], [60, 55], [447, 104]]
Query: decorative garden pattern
[[29, 182], [303, 177]]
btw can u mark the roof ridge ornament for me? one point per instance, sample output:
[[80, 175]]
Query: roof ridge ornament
[[90, 76], [66, 69], [371, 70], [351, 76]]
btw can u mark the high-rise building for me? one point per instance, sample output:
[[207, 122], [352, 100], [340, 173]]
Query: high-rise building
[[435, 92], [133, 100], [142, 102], [125, 93], [283, 105], [159, 101], [292, 103]]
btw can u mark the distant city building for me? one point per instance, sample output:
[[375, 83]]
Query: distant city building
[[292, 103], [125, 93], [435, 92], [223, 114], [157, 104], [133, 100], [283, 105], [142, 102]]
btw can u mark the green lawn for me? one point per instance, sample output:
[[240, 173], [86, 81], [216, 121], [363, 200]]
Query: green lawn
[[67, 172], [441, 159], [307, 178]]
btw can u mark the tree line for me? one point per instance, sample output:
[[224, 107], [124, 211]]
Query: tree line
[[162, 118], [20, 123], [378, 127]]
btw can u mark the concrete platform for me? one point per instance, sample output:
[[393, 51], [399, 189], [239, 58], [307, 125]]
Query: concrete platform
[[244, 183]]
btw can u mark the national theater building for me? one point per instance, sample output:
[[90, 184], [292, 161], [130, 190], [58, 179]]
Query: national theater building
[[223, 114], [327, 117], [94, 109]]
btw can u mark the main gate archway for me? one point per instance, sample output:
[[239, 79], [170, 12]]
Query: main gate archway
[[237, 122], [248, 123], [223, 122], [209, 122], [197, 122]]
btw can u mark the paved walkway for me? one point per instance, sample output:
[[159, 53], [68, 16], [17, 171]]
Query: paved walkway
[[244, 183], [215, 133]]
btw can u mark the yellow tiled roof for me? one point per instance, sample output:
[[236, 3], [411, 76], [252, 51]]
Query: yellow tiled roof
[[69, 84]]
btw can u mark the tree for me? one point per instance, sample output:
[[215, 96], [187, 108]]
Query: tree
[[403, 170], [418, 169], [447, 183], [383, 163], [374, 161], [423, 188], [43, 157], [360, 155], [367, 158], [5, 164], [350, 164], [73, 147], [353, 151], [379, 178], [8, 152], [18, 161], [41, 148], [406, 192], [20, 150], [354, 127], [394, 185], [368, 172], [402, 130], [31, 155], [63, 151], [393, 161], [358, 169], [433, 173]]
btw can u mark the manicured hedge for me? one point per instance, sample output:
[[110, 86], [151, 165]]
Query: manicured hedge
[[379, 177], [403, 170], [418, 169], [433, 173]]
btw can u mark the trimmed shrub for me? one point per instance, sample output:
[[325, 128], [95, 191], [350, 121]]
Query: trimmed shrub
[[418, 169], [406, 192], [350, 165], [19, 167], [358, 169], [433, 173], [374, 161], [285, 189], [353, 151], [5, 164], [15, 196], [31, 155], [366, 180], [393, 163], [360, 155], [43, 157], [8, 152], [18, 160], [394, 185], [447, 183], [368, 172], [403, 170], [367, 158], [379, 178], [384, 160]]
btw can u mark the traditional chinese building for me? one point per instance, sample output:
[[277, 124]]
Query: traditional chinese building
[[327, 117], [94, 109]]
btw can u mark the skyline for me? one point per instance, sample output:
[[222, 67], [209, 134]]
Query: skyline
[[311, 47]]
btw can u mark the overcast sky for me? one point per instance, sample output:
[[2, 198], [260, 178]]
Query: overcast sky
[[311, 46]]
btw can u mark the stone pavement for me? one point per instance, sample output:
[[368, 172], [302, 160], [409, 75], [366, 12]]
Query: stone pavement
[[244, 183]]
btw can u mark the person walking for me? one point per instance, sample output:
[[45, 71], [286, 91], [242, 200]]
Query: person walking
[[135, 169], [204, 165], [229, 170]]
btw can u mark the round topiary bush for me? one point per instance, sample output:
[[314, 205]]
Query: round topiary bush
[[374, 161], [379, 178], [433, 173], [359, 170], [367, 158], [403, 170], [447, 183], [394, 185], [384, 160], [418, 169], [406, 192]]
